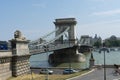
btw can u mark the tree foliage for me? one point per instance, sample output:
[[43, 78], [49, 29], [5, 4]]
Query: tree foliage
[[112, 43], [97, 44]]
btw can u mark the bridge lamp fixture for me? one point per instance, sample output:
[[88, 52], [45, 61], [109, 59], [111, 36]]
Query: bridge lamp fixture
[[104, 49], [46, 49]]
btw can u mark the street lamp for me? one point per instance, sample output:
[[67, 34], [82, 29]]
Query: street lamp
[[104, 49], [69, 56], [46, 50], [31, 74]]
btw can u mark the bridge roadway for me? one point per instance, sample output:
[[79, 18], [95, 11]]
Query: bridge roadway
[[51, 48]]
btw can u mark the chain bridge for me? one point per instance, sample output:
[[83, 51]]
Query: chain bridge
[[63, 44], [65, 48]]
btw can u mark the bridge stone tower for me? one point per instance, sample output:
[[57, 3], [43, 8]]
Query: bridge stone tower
[[70, 53], [63, 24], [20, 52]]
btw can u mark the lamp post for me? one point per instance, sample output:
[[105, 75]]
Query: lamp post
[[104, 49], [46, 50], [69, 56], [31, 74]]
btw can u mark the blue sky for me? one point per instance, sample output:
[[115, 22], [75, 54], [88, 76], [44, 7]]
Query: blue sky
[[34, 18]]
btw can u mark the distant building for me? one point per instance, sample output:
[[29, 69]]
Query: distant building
[[96, 39]]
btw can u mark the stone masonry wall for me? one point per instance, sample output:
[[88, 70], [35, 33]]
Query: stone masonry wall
[[5, 65], [20, 65]]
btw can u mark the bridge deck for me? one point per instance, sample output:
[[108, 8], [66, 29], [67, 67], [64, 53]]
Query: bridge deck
[[51, 48]]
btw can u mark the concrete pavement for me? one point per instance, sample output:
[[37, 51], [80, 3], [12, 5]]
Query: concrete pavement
[[98, 74]]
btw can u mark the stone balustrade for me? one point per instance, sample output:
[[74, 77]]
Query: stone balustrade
[[5, 53]]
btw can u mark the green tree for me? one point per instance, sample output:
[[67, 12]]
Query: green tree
[[112, 42], [108, 43], [97, 44]]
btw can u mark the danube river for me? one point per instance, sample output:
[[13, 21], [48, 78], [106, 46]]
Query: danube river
[[113, 57]]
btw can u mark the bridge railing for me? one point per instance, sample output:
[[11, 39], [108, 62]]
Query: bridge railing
[[6, 53], [60, 46], [51, 48], [35, 51]]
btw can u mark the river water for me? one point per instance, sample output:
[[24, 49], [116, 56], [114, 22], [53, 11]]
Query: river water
[[113, 57]]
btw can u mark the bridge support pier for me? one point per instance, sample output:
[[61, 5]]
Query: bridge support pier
[[65, 56]]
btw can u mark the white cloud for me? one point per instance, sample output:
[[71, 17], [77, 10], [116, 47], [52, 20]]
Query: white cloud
[[108, 13]]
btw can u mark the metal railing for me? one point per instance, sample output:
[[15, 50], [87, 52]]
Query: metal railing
[[51, 48]]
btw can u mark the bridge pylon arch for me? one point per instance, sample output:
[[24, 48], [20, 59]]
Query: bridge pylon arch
[[63, 24]]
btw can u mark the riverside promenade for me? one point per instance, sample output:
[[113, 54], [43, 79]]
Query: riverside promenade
[[98, 74]]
